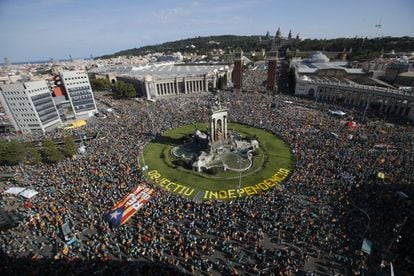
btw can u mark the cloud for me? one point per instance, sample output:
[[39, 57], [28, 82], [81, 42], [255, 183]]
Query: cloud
[[170, 14]]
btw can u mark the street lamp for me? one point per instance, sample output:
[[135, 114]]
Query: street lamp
[[239, 161]]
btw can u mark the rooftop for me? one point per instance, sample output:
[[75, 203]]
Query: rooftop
[[307, 66], [164, 70]]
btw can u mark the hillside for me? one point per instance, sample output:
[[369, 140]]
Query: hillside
[[202, 44], [360, 46]]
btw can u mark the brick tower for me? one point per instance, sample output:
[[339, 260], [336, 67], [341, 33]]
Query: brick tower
[[238, 70], [271, 69]]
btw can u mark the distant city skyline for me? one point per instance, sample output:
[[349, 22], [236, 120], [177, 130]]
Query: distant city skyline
[[43, 29]]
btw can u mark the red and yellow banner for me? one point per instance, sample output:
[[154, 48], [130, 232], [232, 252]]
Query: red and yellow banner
[[124, 209]]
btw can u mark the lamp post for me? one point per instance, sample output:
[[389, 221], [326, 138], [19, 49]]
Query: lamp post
[[239, 161], [144, 167]]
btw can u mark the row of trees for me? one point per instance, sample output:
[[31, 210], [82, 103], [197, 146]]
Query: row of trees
[[122, 89], [14, 152], [101, 84], [202, 45], [221, 82], [248, 43]]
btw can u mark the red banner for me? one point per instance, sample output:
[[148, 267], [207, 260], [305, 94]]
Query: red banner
[[124, 209]]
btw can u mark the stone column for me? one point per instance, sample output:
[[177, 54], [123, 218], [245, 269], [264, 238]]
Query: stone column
[[389, 103], [156, 90], [394, 106], [177, 91], [205, 83], [185, 85], [400, 104], [147, 90], [405, 109], [225, 127], [381, 105], [213, 130]]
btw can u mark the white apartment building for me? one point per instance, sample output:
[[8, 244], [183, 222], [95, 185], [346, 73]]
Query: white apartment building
[[30, 106], [79, 92]]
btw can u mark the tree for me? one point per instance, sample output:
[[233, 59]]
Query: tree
[[33, 156], [69, 148], [11, 153], [100, 84], [126, 90], [291, 80], [51, 153], [220, 83]]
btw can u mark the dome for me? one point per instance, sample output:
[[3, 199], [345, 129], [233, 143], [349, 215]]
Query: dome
[[318, 57]]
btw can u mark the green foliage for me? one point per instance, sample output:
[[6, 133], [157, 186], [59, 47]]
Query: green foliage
[[220, 83], [213, 170], [291, 80], [365, 54], [275, 154], [201, 44], [249, 43], [11, 153], [69, 148], [51, 153], [33, 156], [364, 45], [125, 90], [100, 84]]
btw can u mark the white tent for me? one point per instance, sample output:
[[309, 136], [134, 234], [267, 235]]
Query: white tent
[[14, 190], [337, 112], [28, 193], [24, 192]]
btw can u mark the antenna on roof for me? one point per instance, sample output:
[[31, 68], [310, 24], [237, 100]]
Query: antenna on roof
[[379, 29]]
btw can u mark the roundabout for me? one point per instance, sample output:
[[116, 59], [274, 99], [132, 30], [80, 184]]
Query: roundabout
[[229, 177]]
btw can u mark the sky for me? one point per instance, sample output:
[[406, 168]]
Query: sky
[[32, 30]]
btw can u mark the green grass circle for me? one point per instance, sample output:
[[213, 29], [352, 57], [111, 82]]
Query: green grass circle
[[270, 168]]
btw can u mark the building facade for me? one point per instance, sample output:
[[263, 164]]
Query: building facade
[[79, 93], [333, 81], [30, 106], [158, 81]]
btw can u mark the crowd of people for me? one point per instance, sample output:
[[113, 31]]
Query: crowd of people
[[255, 79], [332, 200]]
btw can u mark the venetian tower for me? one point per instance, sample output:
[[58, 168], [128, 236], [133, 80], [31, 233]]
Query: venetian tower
[[218, 122]]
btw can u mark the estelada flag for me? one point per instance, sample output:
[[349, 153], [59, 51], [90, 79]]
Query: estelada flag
[[124, 209]]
